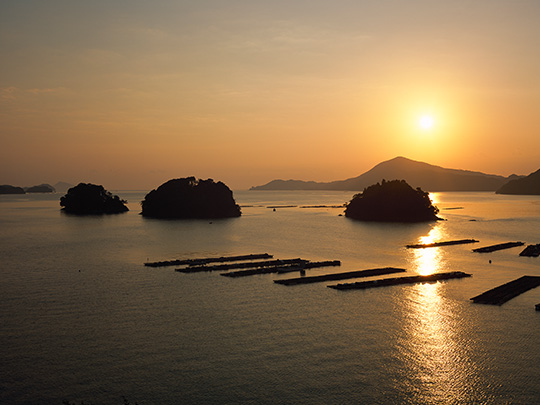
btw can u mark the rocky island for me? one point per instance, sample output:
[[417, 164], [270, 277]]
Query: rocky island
[[190, 198], [91, 199], [392, 201]]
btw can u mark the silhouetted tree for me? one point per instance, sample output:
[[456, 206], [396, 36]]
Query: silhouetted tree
[[190, 198], [392, 201], [91, 199]]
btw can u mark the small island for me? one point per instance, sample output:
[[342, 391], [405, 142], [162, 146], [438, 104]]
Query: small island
[[190, 198], [42, 188], [91, 199], [7, 189], [392, 201]]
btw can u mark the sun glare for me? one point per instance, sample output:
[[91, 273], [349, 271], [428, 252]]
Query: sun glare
[[426, 122]]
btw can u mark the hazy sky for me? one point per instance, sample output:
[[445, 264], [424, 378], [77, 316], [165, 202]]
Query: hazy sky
[[129, 94]]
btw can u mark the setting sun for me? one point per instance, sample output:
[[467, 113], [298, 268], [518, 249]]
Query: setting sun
[[426, 122]]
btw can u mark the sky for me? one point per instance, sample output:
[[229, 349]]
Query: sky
[[130, 94]]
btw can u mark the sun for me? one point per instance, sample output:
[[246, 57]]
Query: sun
[[426, 122]]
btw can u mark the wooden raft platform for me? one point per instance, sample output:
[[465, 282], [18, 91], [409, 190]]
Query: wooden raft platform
[[360, 285], [500, 246], [199, 262], [221, 267], [281, 269], [531, 251], [444, 243], [339, 276], [503, 293]]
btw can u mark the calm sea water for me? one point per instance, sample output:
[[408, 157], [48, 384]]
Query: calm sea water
[[81, 318]]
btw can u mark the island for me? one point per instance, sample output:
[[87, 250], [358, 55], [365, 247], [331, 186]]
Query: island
[[7, 189], [42, 188], [529, 185], [190, 198], [91, 199], [392, 201]]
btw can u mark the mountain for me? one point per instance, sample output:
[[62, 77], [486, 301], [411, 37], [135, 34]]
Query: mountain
[[529, 185], [42, 188], [62, 187], [417, 174]]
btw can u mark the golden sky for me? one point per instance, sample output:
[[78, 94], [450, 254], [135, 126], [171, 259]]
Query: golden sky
[[130, 94]]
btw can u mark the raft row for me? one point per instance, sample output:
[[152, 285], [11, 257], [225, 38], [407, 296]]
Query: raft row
[[221, 267], [202, 261], [282, 269], [360, 285], [500, 246], [505, 292], [339, 276], [444, 243], [531, 251]]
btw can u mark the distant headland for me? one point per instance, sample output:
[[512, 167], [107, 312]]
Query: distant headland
[[190, 198], [417, 174], [529, 185]]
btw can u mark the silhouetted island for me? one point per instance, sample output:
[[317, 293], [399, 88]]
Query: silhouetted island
[[42, 188], [91, 199], [190, 198], [392, 201], [529, 185], [7, 189]]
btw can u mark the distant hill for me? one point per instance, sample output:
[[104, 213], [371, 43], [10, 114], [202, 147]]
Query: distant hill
[[417, 174], [529, 185], [62, 187]]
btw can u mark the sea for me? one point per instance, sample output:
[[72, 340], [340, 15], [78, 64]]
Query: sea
[[82, 320]]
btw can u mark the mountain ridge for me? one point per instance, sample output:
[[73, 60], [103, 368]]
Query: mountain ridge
[[418, 174]]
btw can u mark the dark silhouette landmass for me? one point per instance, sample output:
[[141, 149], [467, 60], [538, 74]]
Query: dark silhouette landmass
[[423, 175], [529, 185], [190, 198], [7, 189], [42, 188], [392, 201], [91, 199]]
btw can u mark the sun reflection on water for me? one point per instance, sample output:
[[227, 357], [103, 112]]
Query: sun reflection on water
[[432, 346], [429, 260]]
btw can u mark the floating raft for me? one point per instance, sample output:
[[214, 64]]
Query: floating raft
[[531, 251], [360, 285], [221, 267], [282, 269], [499, 295], [444, 243], [500, 246], [198, 262], [339, 276]]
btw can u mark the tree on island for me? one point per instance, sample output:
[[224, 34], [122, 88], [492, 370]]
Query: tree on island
[[7, 189], [392, 201], [190, 198], [91, 199]]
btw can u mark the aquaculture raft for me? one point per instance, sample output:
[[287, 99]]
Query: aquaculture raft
[[267, 263], [202, 261], [282, 269], [360, 285], [339, 276], [531, 251], [505, 292], [444, 243], [500, 246]]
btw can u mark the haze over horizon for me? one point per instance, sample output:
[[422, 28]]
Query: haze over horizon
[[130, 94]]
